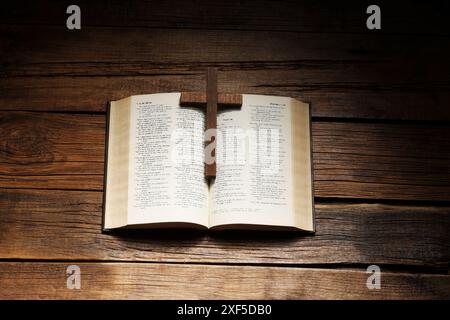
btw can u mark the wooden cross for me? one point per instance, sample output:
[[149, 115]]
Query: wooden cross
[[211, 99]]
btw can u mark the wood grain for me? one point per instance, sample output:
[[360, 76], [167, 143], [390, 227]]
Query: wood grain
[[383, 161], [51, 163], [66, 225], [48, 50], [304, 16], [52, 151], [351, 160], [349, 75], [330, 93], [168, 281], [333, 92]]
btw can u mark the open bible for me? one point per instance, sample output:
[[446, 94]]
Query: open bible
[[155, 165]]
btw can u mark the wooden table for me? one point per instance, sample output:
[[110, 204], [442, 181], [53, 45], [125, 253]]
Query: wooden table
[[381, 146]]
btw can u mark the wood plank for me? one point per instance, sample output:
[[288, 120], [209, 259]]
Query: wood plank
[[66, 225], [305, 16], [383, 161], [351, 160], [349, 75], [48, 50], [169, 281], [335, 91], [52, 151]]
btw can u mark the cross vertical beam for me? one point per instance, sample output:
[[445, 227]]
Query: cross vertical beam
[[210, 100], [211, 114]]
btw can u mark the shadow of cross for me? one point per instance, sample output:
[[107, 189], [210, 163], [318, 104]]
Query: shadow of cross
[[211, 99]]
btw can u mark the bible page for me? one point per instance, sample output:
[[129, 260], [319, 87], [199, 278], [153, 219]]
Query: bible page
[[166, 178], [254, 183]]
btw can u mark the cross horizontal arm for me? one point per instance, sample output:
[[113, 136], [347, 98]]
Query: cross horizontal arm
[[199, 98]]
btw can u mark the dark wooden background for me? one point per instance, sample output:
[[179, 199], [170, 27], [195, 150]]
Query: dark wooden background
[[381, 145]]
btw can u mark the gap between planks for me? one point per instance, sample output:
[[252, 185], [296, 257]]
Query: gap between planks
[[391, 268]]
